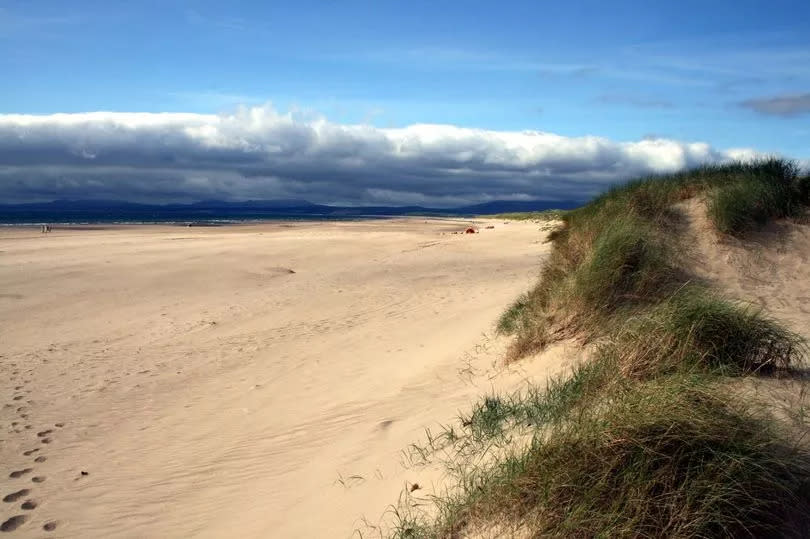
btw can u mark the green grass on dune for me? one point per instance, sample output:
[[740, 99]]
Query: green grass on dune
[[667, 458], [507, 323], [647, 438], [769, 191], [676, 456], [700, 330], [618, 254]]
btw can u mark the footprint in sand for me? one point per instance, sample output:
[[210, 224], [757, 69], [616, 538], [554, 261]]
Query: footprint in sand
[[13, 523], [44, 433], [46, 440], [14, 496], [40, 459], [38, 479], [17, 398], [49, 526], [59, 425], [29, 505], [30, 452], [20, 473]]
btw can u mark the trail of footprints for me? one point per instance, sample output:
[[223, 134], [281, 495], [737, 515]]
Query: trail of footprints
[[22, 491]]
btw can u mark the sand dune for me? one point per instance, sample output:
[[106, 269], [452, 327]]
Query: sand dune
[[246, 381], [769, 269]]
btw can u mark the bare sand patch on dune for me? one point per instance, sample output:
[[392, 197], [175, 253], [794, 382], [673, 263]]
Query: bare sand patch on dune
[[246, 381]]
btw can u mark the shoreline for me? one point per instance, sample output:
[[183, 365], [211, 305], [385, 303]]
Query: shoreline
[[87, 225]]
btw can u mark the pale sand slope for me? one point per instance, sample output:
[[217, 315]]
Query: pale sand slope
[[208, 391], [769, 269]]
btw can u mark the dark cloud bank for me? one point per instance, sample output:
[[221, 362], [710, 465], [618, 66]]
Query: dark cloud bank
[[260, 154], [785, 105]]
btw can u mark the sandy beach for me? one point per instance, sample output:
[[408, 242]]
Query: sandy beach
[[242, 381]]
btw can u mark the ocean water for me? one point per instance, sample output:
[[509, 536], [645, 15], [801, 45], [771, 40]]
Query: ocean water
[[197, 217], [97, 212]]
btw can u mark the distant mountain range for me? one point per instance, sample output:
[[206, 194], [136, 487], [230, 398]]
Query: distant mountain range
[[97, 211]]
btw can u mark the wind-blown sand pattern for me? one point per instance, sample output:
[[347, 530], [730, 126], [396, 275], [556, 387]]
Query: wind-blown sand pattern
[[244, 381]]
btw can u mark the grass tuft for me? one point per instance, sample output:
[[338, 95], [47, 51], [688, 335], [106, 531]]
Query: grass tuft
[[628, 261], [533, 407], [731, 335], [696, 329], [760, 193], [507, 323]]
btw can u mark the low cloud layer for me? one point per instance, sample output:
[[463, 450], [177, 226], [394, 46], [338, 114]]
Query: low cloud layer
[[785, 105], [258, 153]]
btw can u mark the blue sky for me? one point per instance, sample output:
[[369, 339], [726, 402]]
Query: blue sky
[[731, 74]]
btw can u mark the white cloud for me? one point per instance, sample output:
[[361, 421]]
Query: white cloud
[[260, 153]]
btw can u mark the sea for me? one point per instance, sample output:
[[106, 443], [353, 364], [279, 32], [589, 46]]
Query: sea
[[218, 213], [180, 218]]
